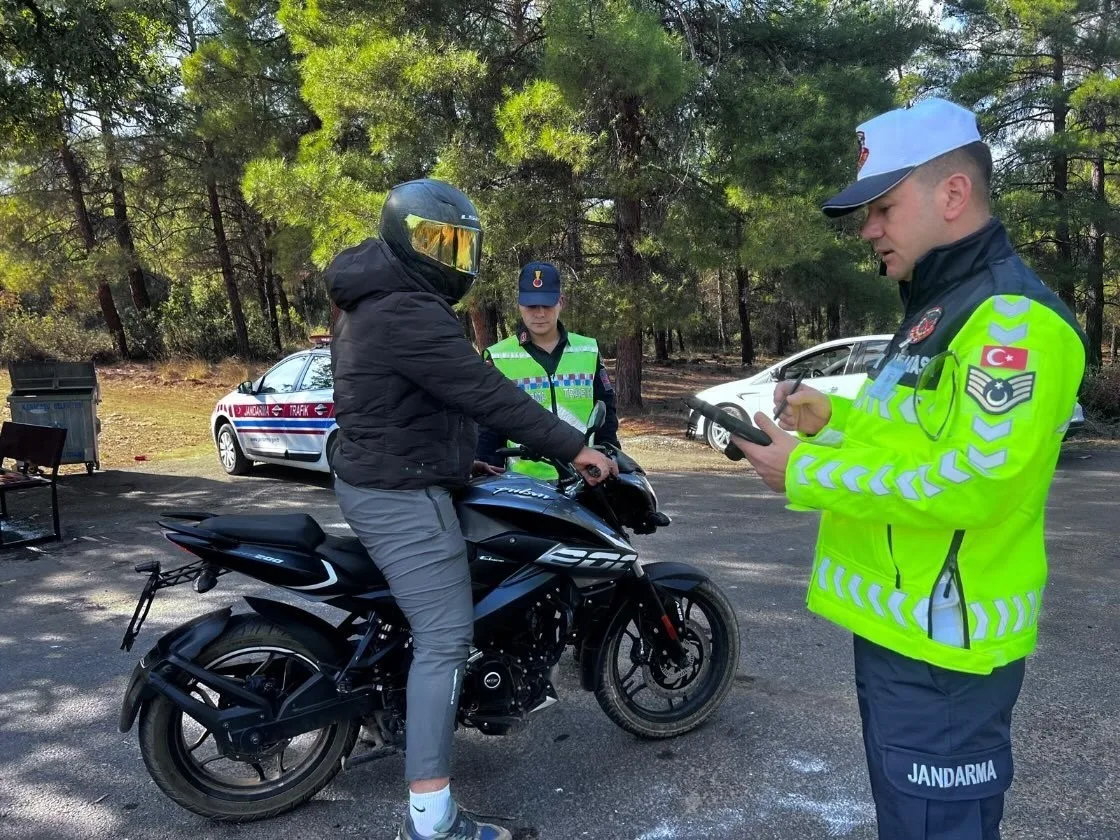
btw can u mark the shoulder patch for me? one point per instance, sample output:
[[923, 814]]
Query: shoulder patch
[[998, 396]]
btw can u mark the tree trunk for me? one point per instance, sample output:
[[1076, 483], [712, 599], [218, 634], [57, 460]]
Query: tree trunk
[[122, 228], [628, 372], [273, 320], [1065, 274], [275, 285], [833, 319], [680, 342], [1112, 350], [746, 340], [494, 315], [260, 283], [483, 327], [661, 345], [631, 265], [722, 325], [285, 309], [85, 229], [224, 261]]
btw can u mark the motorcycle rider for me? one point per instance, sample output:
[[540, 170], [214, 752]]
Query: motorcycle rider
[[409, 389]]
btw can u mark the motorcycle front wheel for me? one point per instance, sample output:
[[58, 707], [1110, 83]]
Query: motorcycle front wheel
[[644, 690], [183, 759]]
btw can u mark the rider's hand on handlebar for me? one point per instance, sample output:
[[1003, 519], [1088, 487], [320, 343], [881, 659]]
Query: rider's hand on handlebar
[[807, 409], [482, 468], [588, 461]]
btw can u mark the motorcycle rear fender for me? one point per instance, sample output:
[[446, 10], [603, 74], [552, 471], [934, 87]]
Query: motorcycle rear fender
[[319, 635], [187, 640], [678, 578]]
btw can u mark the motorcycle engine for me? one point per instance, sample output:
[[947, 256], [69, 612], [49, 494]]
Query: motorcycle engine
[[510, 676]]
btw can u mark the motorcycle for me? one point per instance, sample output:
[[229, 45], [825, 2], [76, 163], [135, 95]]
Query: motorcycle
[[245, 716]]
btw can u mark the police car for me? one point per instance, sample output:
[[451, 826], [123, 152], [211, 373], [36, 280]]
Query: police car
[[284, 417], [834, 367]]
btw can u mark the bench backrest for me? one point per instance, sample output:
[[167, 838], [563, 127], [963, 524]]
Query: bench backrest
[[39, 445]]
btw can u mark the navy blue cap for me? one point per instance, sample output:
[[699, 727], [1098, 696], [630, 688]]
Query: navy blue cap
[[538, 285]]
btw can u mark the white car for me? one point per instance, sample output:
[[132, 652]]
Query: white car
[[284, 417], [835, 367]]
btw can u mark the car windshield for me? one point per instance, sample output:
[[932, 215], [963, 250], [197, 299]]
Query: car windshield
[[828, 362], [282, 379]]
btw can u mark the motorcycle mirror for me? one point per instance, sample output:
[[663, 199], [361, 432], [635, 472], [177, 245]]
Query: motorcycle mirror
[[595, 421]]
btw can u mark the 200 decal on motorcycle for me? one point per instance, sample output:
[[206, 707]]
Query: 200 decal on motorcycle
[[245, 716]]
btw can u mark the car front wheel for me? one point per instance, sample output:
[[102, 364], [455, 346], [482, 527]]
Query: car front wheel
[[232, 459], [718, 437]]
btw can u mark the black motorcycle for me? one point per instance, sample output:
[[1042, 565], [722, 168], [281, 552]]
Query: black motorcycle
[[246, 716]]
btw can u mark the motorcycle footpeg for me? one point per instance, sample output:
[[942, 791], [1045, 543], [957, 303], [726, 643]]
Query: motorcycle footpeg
[[349, 762]]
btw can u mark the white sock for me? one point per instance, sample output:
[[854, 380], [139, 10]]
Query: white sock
[[428, 809]]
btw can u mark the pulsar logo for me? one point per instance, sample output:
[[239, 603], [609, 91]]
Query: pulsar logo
[[963, 775], [517, 491], [586, 558]]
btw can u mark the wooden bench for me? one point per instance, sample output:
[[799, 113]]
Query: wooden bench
[[33, 449]]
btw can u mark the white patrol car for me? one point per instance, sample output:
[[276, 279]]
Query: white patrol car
[[284, 417]]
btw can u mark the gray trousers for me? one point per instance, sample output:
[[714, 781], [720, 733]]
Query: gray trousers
[[414, 538]]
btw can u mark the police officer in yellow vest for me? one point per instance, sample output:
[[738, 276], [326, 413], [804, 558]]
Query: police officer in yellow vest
[[932, 483], [559, 369]]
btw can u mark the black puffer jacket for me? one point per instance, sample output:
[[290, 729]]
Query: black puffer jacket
[[409, 387]]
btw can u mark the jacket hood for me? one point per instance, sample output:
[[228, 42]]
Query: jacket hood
[[370, 268]]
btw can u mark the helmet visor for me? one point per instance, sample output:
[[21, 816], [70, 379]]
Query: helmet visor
[[457, 247]]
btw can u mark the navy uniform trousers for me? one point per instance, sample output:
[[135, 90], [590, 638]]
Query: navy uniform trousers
[[938, 744]]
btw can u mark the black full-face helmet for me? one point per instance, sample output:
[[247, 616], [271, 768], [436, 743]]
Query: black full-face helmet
[[434, 230]]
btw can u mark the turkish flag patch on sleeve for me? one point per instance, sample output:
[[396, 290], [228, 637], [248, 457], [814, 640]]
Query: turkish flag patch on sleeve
[[1013, 358]]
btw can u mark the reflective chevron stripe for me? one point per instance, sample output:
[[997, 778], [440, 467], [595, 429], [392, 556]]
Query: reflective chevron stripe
[[803, 463], [947, 469], [1005, 336], [990, 621], [990, 432], [1009, 307], [1005, 616], [824, 474], [852, 476]]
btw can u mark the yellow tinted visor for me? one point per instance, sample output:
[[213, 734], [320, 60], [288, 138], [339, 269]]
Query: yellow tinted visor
[[450, 245]]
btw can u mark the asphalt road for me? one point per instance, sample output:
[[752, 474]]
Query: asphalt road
[[782, 758]]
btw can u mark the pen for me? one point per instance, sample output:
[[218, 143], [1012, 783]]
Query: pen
[[785, 399]]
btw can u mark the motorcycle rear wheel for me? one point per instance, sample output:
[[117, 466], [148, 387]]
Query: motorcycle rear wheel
[[172, 743], [676, 699]]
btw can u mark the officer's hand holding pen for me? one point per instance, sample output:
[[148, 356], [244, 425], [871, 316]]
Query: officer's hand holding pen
[[799, 408]]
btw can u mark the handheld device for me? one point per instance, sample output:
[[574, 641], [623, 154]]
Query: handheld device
[[741, 428]]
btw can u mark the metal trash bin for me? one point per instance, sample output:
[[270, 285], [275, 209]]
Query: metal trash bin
[[64, 395]]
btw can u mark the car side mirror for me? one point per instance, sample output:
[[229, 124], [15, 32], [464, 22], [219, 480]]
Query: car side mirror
[[245, 388]]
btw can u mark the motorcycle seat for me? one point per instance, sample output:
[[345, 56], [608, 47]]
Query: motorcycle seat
[[348, 554], [283, 530]]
